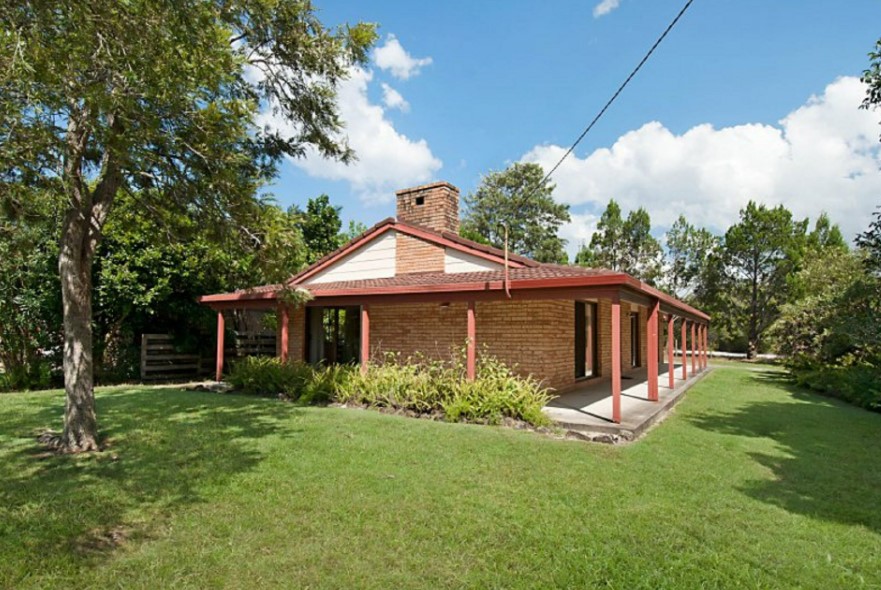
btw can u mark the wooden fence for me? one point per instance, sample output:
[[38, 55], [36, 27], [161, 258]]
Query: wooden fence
[[253, 344], [160, 360]]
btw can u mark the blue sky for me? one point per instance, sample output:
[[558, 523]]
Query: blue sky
[[745, 99]]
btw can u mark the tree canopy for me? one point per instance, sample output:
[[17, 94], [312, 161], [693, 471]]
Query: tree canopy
[[872, 78], [870, 241], [625, 245], [160, 99], [321, 226], [517, 198], [689, 251], [761, 251]]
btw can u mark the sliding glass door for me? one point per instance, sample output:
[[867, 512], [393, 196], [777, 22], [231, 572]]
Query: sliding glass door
[[586, 345], [333, 334]]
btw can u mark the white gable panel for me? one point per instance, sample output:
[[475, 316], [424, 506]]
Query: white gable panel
[[458, 261], [374, 260]]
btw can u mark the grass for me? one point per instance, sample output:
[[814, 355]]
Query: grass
[[750, 483]]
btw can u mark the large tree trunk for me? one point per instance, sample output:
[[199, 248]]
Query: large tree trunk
[[75, 267], [81, 231]]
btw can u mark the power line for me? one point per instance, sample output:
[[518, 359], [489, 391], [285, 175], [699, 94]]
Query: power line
[[599, 115], [618, 92]]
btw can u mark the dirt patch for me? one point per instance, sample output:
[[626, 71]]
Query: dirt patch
[[102, 540]]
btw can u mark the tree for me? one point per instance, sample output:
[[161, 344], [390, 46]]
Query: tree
[[761, 251], [872, 79], [625, 245], [88, 108], [606, 248], [825, 237], [518, 199], [148, 273], [355, 229], [831, 336], [870, 241], [822, 242], [689, 250], [321, 226], [29, 297], [643, 257]]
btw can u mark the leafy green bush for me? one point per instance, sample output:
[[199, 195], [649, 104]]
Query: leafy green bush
[[37, 375], [269, 376], [322, 383], [413, 385], [859, 384], [425, 387], [831, 337]]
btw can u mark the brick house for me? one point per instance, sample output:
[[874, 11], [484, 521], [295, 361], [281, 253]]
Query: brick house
[[412, 284]]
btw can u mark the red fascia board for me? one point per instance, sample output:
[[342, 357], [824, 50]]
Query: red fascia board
[[243, 296], [248, 304], [547, 285], [497, 285], [465, 296], [672, 301], [574, 281], [408, 289]]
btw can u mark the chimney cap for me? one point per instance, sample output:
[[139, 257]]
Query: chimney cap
[[423, 187]]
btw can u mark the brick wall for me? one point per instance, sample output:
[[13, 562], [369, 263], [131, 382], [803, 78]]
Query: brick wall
[[625, 337], [429, 328], [604, 331], [435, 206], [537, 336], [416, 255], [296, 335], [643, 334]]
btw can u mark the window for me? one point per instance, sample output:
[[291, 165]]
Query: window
[[586, 344], [333, 335], [420, 201]]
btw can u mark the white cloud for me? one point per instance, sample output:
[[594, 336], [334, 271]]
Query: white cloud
[[823, 156], [605, 7], [578, 231], [393, 57], [393, 99], [387, 159]]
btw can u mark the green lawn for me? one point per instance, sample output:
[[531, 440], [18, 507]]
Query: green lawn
[[749, 483]]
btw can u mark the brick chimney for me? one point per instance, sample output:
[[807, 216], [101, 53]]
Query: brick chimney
[[435, 206]]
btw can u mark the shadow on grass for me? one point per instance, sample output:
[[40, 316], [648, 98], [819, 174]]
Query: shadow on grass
[[827, 464], [165, 447]]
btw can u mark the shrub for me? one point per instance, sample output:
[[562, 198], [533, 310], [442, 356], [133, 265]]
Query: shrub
[[859, 384], [425, 387], [269, 376], [37, 375], [414, 385], [322, 383], [831, 338]]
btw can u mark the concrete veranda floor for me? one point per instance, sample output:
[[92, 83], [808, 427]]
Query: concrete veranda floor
[[588, 407]]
